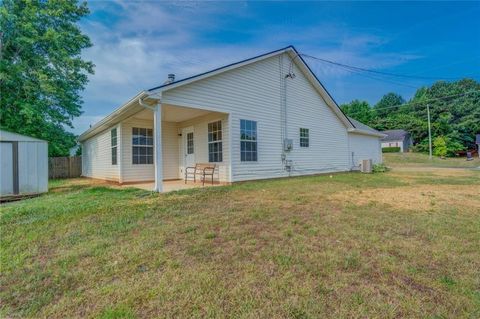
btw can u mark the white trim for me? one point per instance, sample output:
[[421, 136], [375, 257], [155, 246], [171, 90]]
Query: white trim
[[157, 133], [120, 153], [230, 148], [106, 122], [221, 141], [364, 132]]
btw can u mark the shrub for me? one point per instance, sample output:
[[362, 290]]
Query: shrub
[[391, 149], [440, 146], [380, 168]]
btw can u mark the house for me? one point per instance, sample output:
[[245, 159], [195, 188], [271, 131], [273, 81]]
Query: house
[[264, 117], [24, 165], [397, 138]]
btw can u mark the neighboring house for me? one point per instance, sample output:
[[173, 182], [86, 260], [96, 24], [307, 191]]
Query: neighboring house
[[265, 117], [23, 165], [397, 138]]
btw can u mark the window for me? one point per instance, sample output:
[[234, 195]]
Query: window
[[190, 143], [248, 141], [304, 137], [113, 142], [215, 152], [142, 146]]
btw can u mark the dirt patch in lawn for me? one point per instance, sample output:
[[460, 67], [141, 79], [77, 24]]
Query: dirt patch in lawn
[[419, 197]]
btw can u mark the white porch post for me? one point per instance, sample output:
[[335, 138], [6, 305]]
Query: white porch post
[[157, 129]]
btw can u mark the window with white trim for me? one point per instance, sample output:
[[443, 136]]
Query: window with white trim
[[215, 147], [142, 145], [113, 143], [304, 137], [248, 141]]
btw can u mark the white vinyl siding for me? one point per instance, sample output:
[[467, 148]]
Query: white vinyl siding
[[364, 147], [253, 92], [200, 135], [97, 157], [146, 172]]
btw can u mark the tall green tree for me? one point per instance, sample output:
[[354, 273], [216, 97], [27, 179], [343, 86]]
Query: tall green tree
[[384, 107], [454, 111], [41, 69], [359, 110]]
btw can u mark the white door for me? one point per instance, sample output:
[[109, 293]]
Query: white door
[[6, 168], [188, 147]]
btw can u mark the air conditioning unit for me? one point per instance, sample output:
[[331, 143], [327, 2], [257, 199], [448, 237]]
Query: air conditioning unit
[[366, 166]]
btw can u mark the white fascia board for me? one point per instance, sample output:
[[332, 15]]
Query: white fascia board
[[364, 132], [108, 120]]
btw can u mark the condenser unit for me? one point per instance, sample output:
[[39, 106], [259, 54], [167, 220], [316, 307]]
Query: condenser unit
[[366, 166]]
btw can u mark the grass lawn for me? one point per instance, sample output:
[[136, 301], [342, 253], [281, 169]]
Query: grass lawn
[[400, 244], [418, 159]]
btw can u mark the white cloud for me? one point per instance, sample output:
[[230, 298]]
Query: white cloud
[[139, 43]]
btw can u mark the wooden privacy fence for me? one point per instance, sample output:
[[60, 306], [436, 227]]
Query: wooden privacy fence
[[64, 167]]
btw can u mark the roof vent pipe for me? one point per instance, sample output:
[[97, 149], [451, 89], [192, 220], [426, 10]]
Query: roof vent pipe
[[171, 78]]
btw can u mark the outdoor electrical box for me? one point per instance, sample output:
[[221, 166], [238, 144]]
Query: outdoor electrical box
[[287, 144]]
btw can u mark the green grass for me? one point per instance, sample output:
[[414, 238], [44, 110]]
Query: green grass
[[419, 159], [311, 247]]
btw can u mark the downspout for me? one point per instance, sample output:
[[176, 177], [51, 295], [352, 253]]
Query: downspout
[[151, 108]]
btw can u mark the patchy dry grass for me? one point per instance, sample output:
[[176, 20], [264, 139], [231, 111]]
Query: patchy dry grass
[[399, 244], [419, 159]]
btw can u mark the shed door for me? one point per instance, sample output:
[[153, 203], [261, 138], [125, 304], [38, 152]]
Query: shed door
[[6, 168]]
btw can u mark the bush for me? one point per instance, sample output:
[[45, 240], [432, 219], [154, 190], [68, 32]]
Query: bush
[[391, 149], [380, 168], [440, 146]]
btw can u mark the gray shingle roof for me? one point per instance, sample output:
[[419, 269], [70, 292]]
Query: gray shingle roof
[[394, 135], [362, 126]]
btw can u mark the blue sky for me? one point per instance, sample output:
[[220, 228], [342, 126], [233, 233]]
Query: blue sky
[[136, 44]]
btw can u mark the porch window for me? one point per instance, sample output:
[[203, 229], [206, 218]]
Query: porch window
[[113, 143], [215, 151], [248, 141], [304, 137], [142, 145]]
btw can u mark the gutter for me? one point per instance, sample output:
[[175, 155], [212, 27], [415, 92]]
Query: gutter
[[111, 116], [365, 132]]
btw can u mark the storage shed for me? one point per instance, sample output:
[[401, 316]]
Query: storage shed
[[24, 165]]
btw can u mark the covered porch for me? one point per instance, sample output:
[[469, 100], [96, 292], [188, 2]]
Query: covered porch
[[174, 185], [159, 141]]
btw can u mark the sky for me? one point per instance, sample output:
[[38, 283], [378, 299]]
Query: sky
[[136, 44]]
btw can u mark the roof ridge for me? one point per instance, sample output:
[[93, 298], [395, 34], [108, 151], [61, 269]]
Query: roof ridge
[[224, 66]]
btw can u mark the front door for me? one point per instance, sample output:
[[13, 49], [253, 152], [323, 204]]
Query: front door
[[189, 147]]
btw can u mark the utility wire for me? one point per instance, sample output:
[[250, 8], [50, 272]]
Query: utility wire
[[380, 79], [425, 101], [351, 67]]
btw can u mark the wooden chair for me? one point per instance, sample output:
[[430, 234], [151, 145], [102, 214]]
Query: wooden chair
[[202, 169]]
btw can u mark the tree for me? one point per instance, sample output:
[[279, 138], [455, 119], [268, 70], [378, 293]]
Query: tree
[[359, 110], [41, 69], [384, 107]]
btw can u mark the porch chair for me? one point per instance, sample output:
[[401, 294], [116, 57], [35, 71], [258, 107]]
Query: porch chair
[[202, 169]]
